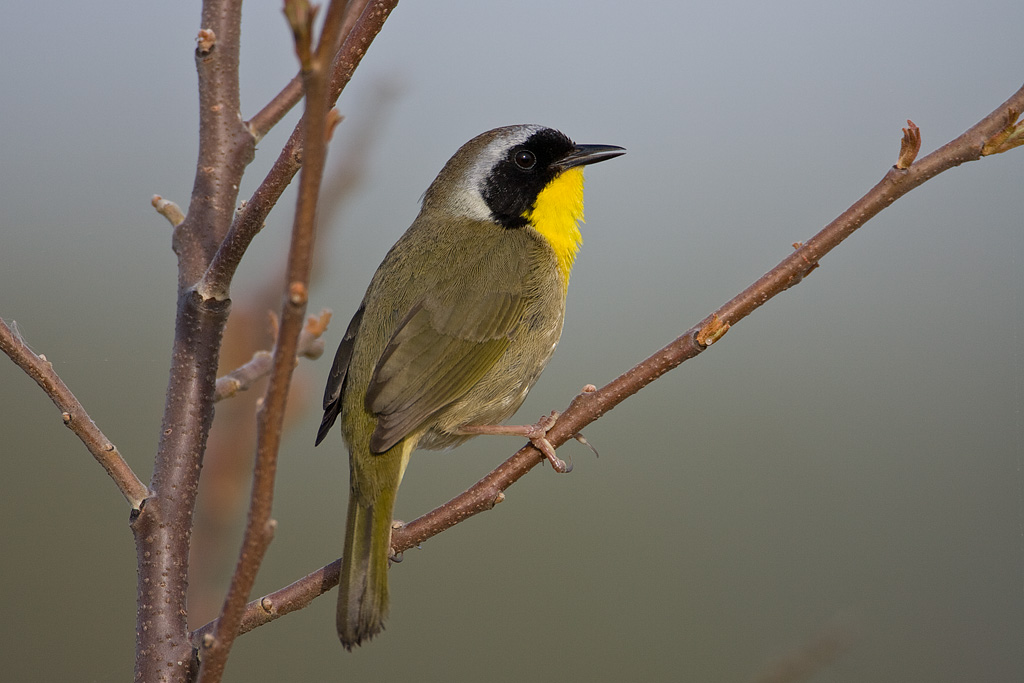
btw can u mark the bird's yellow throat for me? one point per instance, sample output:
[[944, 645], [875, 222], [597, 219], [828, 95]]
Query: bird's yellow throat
[[557, 214]]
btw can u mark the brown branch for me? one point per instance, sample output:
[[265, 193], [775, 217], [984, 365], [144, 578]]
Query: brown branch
[[310, 345], [225, 144], [589, 406], [162, 516], [259, 529], [74, 415], [251, 216], [277, 108], [291, 598], [282, 103], [163, 526]]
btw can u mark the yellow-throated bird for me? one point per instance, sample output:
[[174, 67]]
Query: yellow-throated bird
[[456, 326]]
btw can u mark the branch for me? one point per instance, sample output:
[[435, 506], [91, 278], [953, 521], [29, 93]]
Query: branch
[[251, 216], [259, 530], [163, 526], [225, 144], [277, 108], [310, 345], [291, 598], [74, 415], [589, 406]]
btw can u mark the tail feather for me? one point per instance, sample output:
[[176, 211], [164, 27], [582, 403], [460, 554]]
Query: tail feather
[[363, 586]]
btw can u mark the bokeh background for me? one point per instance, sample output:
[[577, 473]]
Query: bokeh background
[[846, 466]]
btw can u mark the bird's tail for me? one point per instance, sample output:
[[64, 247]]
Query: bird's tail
[[363, 585]]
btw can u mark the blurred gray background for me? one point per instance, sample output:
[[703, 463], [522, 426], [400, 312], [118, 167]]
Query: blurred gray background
[[846, 464]]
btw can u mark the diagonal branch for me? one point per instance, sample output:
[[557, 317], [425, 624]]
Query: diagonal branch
[[589, 406], [73, 413], [291, 598]]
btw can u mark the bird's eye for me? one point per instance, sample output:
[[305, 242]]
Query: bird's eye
[[525, 159]]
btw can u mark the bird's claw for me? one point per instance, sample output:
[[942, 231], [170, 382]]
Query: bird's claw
[[538, 435]]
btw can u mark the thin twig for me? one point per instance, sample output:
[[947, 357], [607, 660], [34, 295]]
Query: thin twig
[[74, 415], [282, 103], [168, 209], [588, 406], [259, 526], [291, 598], [311, 345]]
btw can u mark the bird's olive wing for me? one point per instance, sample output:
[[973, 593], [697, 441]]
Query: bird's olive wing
[[439, 351], [336, 380]]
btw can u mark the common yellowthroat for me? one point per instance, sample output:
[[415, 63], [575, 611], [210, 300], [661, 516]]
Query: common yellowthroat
[[457, 324]]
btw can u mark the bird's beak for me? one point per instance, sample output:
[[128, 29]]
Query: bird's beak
[[583, 155]]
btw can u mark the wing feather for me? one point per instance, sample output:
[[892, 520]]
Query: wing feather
[[438, 353], [336, 380]]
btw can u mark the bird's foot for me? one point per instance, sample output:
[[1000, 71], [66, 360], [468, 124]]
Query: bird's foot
[[536, 433]]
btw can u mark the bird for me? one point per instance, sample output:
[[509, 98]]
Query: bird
[[455, 327]]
